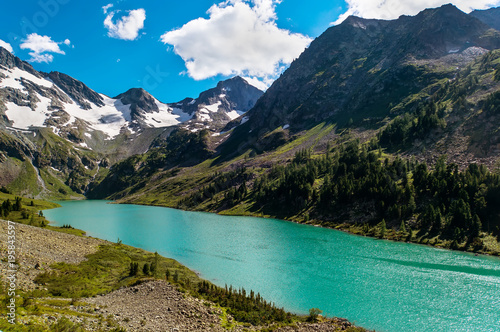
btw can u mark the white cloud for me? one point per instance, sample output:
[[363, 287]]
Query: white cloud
[[391, 9], [37, 57], [127, 27], [105, 8], [7, 46], [40, 46], [240, 37], [67, 42]]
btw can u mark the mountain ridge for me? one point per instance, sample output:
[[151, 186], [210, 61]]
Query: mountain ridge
[[350, 70]]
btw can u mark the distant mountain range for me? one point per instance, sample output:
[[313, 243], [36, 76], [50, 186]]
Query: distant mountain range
[[53, 117], [35, 99]]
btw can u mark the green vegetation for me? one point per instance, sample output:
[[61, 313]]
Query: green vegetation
[[329, 177], [368, 194], [404, 129], [32, 306], [460, 207], [250, 308], [313, 314]]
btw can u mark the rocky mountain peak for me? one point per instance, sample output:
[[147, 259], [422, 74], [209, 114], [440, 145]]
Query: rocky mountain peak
[[437, 32], [140, 101], [9, 61], [218, 106]]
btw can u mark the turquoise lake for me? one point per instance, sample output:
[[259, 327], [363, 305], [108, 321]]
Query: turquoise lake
[[381, 285]]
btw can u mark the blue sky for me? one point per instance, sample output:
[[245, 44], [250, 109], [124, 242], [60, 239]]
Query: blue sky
[[176, 49]]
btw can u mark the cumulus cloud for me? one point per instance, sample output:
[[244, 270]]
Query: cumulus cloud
[[127, 27], [7, 46], [41, 47], [391, 9], [240, 37]]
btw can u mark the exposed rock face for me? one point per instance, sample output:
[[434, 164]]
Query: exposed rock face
[[8, 60], [81, 93], [40, 113]]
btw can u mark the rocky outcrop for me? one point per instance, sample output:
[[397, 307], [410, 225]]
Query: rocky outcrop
[[140, 102], [218, 106], [81, 93], [40, 247]]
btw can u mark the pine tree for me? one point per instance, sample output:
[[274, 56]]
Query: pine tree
[[176, 276], [402, 227], [410, 235], [383, 229], [154, 265], [17, 204]]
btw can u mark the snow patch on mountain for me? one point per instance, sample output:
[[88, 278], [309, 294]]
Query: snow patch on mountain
[[23, 117], [213, 108], [234, 114], [166, 116], [14, 77]]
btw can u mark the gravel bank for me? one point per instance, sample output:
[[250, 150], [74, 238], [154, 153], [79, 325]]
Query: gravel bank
[[35, 245]]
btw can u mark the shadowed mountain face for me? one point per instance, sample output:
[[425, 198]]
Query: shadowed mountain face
[[357, 71], [490, 17]]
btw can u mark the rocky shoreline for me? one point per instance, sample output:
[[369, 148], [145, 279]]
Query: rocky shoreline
[[152, 305]]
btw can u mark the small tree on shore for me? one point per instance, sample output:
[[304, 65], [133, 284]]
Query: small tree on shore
[[410, 234], [145, 269], [383, 229], [313, 314]]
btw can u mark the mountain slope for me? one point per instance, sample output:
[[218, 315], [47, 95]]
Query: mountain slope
[[34, 99], [380, 186]]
